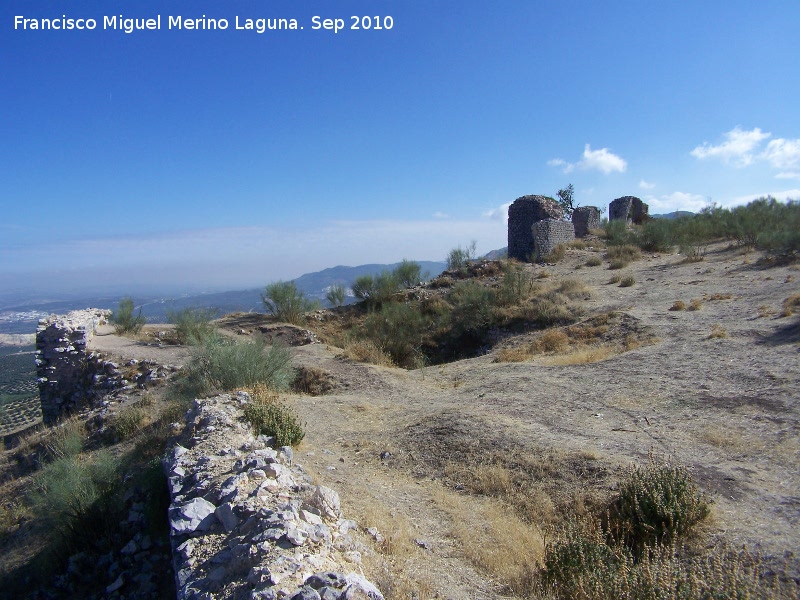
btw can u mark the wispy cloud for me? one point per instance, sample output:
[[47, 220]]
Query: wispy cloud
[[783, 154], [646, 185], [790, 194], [440, 215], [602, 160], [738, 147], [676, 201], [498, 214]]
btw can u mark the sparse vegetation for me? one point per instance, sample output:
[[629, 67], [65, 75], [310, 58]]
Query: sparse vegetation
[[678, 305], [375, 290], [556, 255], [223, 364], [695, 304], [408, 273], [789, 305], [336, 295], [286, 302], [123, 319], [460, 258], [594, 261], [127, 422], [627, 281], [270, 417], [193, 325], [717, 332]]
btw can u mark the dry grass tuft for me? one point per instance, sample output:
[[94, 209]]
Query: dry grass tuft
[[594, 261], [627, 281], [678, 305], [695, 304], [582, 357], [577, 244], [717, 332], [717, 296], [556, 255], [615, 279], [790, 304], [543, 274], [365, 350], [765, 311]]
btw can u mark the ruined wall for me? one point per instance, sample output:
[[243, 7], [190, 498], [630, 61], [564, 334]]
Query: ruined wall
[[547, 234], [585, 218], [246, 521], [70, 376], [629, 209], [62, 361], [522, 214]]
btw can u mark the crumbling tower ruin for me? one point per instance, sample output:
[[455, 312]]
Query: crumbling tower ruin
[[629, 209], [523, 213]]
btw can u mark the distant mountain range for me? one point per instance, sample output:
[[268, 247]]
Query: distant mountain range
[[22, 317]]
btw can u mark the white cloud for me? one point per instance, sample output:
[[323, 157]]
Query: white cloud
[[737, 148], [559, 162], [788, 175], [499, 213], [676, 201], [783, 154], [601, 160], [792, 194], [646, 185], [440, 215]]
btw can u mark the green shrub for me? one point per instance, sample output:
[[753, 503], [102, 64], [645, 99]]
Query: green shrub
[[286, 302], [73, 499], [127, 422], [459, 258], [518, 284], [658, 503], [65, 440], [336, 294], [473, 309], [270, 417], [398, 329], [617, 233], [656, 235], [408, 273], [193, 325], [224, 364], [123, 319], [377, 289]]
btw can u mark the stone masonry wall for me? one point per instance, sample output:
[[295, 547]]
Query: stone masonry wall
[[522, 214], [246, 521], [629, 209], [547, 234], [62, 361], [585, 218]]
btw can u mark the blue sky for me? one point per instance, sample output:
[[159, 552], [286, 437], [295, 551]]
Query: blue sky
[[213, 159]]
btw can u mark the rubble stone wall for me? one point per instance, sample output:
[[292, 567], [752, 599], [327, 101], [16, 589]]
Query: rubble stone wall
[[547, 234], [585, 218], [246, 521], [62, 361]]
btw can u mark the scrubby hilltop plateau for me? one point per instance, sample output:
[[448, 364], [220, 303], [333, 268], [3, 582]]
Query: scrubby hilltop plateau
[[620, 420]]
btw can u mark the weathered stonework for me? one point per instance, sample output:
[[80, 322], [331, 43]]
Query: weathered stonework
[[246, 521], [585, 218], [629, 209], [547, 234], [62, 361], [522, 214]]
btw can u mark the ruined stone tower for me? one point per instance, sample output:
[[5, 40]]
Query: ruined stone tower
[[522, 214]]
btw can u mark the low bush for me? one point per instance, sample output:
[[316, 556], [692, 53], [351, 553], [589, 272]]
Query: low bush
[[193, 325], [312, 381], [678, 305], [123, 319], [223, 364], [517, 286], [459, 258], [594, 261], [627, 281], [657, 503], [336, 295], [473, 309], [397, 329], [408, 273], [127, 422], [695, 304], [269, 416], [790, 304], [656, 235], [617, 233], [376, 289], [286, 302], [627, 253]]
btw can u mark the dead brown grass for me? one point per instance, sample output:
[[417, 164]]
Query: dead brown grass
[[367, 351], [695, 304], [789, 305], [717, 332], [678, 305]]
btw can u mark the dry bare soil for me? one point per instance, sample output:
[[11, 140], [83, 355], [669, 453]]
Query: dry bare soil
[[464, 468]]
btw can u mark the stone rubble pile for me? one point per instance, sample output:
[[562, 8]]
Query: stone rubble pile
[[247, 521]]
